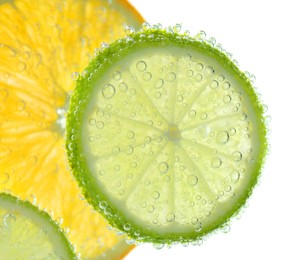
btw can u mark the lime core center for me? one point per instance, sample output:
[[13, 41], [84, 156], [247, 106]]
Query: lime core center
[[173, 133]]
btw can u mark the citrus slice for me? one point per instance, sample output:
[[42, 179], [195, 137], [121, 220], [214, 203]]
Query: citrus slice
[[42, 43], [28, 233], [165, 135]]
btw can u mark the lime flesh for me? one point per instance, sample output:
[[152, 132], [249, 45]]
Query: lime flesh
[[28, 233], [166, 136]]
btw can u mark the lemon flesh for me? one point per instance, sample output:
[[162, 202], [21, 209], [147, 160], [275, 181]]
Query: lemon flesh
[[28, 233], [166, 136]]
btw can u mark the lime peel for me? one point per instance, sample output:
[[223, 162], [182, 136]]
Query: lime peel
[[139, 43]]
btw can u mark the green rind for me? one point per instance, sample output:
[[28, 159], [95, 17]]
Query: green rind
[[35, 211], [81, 95]]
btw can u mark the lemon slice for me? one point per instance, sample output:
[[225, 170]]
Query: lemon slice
[[42, 43], [165, 135], [28, 233]]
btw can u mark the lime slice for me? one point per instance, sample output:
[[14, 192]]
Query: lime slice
[[165, 135], [28, 233]]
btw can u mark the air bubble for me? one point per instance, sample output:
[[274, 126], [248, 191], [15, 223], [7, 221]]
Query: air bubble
[[243, 117], [132, 91], [226, 99], [147, 139], [102, 204], [212, 41], [100, 113], [158, 94], [101, 173], [227, 188], [129, 150], [180, 98], [108, 91], [84, 73], [100, 124], [117, 75], [147, 76], [150, 208], [236, 156], [171, 77], [216, 162], [9, 220], [192, 113], [199, 66], [133, 164], [203, 116], [264, 108], [104, 45], [198, 77], [232, 131], [159, 83], [196, 224], [155, 221], [163, 167], [155, 195], [214, 84], [221, 77], [129, 30], [235, 176], [71, 146], [225, 228], [130, 241], [92, 121], [127, 227], [75, 76], [91, 139], [146, 26], [158, 246], [226, 85], [141, 65], [177, 28], [115, 149], [189, 73], [192, 180], [201, 35], [123, 87], [130, 134], [209, 71], [222, 137], [170, 217], [235, 109], [268, 119]]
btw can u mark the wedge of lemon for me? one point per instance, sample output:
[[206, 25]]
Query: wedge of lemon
[[42, 43], [165, 135], [28, 233]]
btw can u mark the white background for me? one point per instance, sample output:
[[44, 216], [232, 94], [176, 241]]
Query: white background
[[257, 33]]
